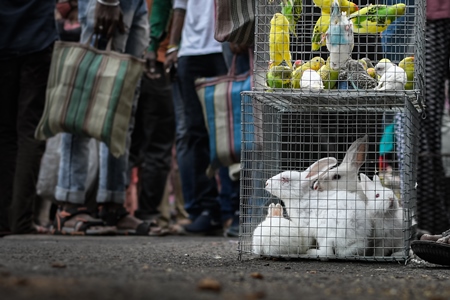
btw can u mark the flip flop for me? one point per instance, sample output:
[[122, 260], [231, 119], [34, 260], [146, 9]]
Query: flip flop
[[433, 252]]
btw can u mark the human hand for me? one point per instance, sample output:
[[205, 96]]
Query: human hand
[[108, 19], [150, 65], [171, 61]]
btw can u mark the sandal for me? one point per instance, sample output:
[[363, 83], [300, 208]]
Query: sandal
[[82, 226], [146, 228]]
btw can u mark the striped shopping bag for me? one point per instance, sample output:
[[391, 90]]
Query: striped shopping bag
[[90, 93], [235, 21], [220, 98]]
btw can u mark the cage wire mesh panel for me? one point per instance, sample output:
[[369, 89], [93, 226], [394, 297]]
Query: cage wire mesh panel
[[329, 132]]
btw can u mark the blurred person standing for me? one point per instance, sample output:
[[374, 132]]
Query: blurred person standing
[[196, 53], [154, 129], [433, 203], [126, 22], [26, 43]]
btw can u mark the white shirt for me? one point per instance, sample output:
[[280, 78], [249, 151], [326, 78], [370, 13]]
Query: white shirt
[[197, 37]]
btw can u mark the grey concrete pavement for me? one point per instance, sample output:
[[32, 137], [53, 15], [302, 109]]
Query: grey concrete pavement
[[180, 267]]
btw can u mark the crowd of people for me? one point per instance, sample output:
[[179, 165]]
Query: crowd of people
[[75, 185]]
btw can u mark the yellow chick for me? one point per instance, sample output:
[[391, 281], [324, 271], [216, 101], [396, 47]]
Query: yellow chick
[[279, 44], [372, 73], [315, 64]]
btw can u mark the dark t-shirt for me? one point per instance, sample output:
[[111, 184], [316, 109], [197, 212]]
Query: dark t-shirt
[[26, 26]]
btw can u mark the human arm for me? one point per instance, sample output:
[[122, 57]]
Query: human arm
[[179, 13]]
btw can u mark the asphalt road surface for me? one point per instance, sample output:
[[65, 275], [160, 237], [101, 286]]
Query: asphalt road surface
[[183, 267]]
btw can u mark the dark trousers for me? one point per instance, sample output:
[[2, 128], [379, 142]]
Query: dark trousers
[[23, 81], [199, 192], [152, 140], [433, 205]]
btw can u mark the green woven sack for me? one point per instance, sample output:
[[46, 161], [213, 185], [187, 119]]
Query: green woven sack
[[90, 93]]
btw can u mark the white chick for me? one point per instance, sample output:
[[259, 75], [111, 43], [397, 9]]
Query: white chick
[[311, 80], [392, 76]]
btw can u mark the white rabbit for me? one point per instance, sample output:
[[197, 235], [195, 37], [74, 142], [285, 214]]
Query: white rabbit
[[387, 217], [335, 220], [341, 223], [291, 186], [345, 176], [277, 235]]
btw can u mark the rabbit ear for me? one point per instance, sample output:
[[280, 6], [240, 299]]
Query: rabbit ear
[[356, 153], [366, 182], [376, 179], [320, 166]]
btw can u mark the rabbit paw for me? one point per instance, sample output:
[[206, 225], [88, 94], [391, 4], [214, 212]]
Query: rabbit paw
[[275, 210]]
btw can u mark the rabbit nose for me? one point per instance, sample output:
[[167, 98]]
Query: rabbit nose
[[267, 183]]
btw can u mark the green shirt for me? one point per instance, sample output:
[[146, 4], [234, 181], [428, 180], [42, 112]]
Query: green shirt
[[159, 22]]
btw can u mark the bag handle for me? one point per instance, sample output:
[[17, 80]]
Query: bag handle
[[95, 45], [232, 70]]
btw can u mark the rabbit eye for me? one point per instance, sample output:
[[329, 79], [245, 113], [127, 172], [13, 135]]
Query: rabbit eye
[[284, 179], [336, 177], [377, 195]]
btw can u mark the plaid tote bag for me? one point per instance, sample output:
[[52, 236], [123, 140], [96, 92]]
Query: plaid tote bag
[[90, 93]]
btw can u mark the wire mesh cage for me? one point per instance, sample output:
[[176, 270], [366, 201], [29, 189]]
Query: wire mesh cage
[[291, 208], [329, 132], [293, 36]]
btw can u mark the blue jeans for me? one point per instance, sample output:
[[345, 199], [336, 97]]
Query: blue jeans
[[192, 139], [73, 168]]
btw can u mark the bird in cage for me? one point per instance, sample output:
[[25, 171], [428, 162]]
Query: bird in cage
[[354, 76], [371, 19], [314, 64], [278, 76], [279, 40], [322, 24], [372, 73], [339, 37], [392, 76], [368, 62], [407, 64], [311, 81], [345, 5], [329, 76], [292, 10], [376, 18]]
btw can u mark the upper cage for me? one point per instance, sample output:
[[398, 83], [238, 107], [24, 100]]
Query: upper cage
[[385, 30]]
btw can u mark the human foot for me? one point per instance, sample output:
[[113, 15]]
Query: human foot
[[127, 224], [76, 220]]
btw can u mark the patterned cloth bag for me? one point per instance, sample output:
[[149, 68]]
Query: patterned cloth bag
[[235, 21], [220, 98], [90, 93]]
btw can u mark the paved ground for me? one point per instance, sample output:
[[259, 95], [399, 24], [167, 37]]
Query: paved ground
[[176, 267]]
